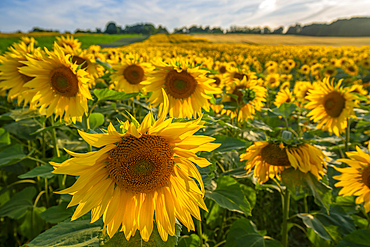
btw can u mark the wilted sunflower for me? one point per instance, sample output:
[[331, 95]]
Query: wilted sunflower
[[250, 97], [58, 85], [331, 106], [355, 179], [188, 89], [129, 73], [145, 171], [269, 159]]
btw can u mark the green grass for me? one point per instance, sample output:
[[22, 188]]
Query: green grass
[[86, 40]]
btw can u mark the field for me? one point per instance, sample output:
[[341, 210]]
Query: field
[[260, 39], [47, 40], [178, 140]]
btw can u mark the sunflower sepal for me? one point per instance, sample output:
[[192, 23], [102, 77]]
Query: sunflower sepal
[[297, 182]]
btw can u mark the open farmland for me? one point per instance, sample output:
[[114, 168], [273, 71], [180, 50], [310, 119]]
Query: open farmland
[[260, 39]]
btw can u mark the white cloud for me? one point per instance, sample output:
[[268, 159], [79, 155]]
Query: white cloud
[[89, 14]]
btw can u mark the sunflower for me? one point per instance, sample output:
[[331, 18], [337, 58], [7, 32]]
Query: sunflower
[[301, 89], [283, 96], [11, 79], [272, 80], [331, 106], [269, 159], [187, 88], [305, 69], [330, 71], [250, 98], [129, 73], [351, 69], [59, 86], [355, 179], [68, 41], [147, 170]]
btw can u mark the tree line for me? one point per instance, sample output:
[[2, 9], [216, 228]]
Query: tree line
[[356, 26]]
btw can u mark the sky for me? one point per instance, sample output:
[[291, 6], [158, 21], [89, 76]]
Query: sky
[[69, 15]]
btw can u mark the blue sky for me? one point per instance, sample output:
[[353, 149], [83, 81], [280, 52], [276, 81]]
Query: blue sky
[[68, 15]]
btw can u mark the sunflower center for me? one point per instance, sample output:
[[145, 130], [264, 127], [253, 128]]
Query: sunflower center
[[222, 70], [274, 155], [134, 74], [64, 81], [80, 61], [240, 76], [141, 164], [334, 103], [217, 81], [180, 85], [366, 176]]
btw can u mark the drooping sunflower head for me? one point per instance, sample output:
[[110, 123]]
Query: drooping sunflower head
[[187, 87], [59, 86], [331, 106], [145, 172], [355, 179], [269, 159]]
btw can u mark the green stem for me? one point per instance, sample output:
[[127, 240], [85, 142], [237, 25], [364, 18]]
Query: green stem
[[87, 127], [305, 204], [54, 138], [46, 192], [284, 239], [348, 129], [199, 228]]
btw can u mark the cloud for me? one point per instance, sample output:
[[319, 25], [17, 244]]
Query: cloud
[[90, 14]]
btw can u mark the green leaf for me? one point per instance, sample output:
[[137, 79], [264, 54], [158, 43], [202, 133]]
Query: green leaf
[[70, 233], [11, 155], [24, 129], [189, 241], [21, 114], [17, 206], [96, 119], [259, 124], [239, 172], [285, 110], [32, 223], [316, 240], [296, 180], [43, 171], [244, 233], [4, 137], [109, 94], [324, 230], [57, 213], [358, 238], [229, 143], [155, 239], [229, 195]]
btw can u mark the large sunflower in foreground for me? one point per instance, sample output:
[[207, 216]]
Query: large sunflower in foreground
[[145, 171], [249, 96], [129, 73], [59, 86], [331, 106], [355, 179], [269, 159], [188, 89]]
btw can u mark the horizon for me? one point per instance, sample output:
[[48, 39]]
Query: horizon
[[69, 15]]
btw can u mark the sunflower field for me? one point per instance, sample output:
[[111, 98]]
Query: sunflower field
[[177, 141]]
